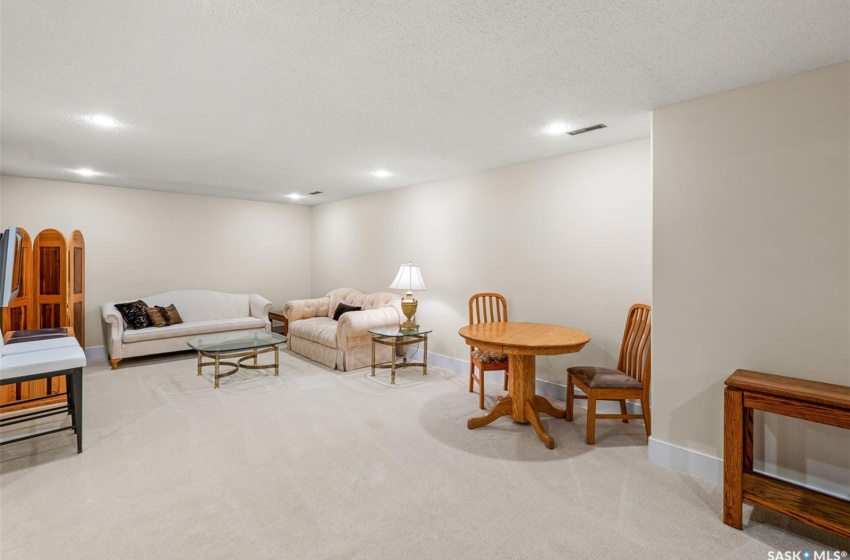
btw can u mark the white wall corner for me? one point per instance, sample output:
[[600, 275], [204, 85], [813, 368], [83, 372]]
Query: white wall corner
[[95, 354], [686, 461]]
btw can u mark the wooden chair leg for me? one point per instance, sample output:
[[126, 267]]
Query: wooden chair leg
[[481, 389], [590, 439], [114, 362], [570, 398], [506, 380], [623, 410], [471, 376], [647, 416]]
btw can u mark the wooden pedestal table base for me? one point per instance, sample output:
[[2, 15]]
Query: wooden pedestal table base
[[522, 342]]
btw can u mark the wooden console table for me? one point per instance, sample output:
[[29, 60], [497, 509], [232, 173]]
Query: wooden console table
[[824, 403]]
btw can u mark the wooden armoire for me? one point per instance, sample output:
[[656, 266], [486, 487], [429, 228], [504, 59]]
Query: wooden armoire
[[52, 295]]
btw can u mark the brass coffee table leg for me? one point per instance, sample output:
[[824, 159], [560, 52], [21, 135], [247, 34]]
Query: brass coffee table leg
[[392, 378], [217, 369], [373, 356], [425, 358], [199, 363], [276, 361]]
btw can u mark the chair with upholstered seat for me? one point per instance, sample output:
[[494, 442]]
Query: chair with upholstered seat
[[486, 308], [629, 381]]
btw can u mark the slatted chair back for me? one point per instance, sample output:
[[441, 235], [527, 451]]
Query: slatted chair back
[[636, 349], [488, 307]]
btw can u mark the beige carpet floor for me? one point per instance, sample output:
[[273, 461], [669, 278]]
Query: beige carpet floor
[[322, 464]]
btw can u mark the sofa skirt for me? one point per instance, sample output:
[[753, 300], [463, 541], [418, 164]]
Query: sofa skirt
[[343, 360]]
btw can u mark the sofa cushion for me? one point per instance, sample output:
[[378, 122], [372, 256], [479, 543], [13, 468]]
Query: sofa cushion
[[204, 305], [380, 299], [349, 296], [196, 327], [321, 330]]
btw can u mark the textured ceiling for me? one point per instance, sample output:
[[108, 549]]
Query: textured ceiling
[[255, 99]]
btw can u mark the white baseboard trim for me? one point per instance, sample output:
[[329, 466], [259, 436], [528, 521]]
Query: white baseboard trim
[[95, 353], [685, 460], [710, 468]]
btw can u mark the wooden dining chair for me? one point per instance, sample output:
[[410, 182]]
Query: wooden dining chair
[[629, 381], [486, 308]]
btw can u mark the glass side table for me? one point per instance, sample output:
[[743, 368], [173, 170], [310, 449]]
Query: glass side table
[[392, 336]]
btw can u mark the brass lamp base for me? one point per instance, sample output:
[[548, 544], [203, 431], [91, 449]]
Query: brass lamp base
[[408, 307]]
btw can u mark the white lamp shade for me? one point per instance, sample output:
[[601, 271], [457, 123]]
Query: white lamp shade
[[408, 278]]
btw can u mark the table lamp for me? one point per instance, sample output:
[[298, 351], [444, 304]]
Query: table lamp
[[408, 278]]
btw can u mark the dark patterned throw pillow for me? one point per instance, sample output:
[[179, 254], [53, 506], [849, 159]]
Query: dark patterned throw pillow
[[342, 309], [135, 314]]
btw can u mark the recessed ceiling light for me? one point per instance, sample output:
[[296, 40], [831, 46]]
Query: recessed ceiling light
[[556, 128], [294, 196], [382, 173], [86, 172], [103, 121]]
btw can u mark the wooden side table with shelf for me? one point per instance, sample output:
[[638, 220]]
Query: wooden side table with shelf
[[280, 318], [824, 403]]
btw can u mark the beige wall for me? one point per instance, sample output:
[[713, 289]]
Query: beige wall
[[567, 240], [751, 193], [143, 242]]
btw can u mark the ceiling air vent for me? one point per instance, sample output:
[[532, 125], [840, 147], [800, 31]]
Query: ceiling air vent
[[315, 192], [586, 129]]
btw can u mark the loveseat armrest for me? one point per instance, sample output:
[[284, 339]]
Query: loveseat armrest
[[306, 308], [355, 324]]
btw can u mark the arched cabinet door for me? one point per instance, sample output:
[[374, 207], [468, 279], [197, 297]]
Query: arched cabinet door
[[50, 280]]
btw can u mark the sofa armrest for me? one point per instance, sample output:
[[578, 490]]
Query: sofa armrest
[[113, 318], [260, 306], [306, 308], [357, 323]]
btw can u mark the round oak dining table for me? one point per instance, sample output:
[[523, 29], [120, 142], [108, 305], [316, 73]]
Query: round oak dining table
[[522, 342]]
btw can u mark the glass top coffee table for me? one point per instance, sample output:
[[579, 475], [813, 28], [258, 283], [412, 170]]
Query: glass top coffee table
[[395, 337], [236, 345]]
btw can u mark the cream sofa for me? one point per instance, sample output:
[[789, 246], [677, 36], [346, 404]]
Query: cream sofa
[[202, 311], [345, 344]]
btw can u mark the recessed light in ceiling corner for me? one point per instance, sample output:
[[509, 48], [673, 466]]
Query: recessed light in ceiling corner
[[294, 196], [556, 128], [382, 173], [86, 172], [103, 121]]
